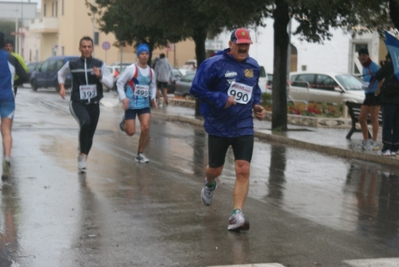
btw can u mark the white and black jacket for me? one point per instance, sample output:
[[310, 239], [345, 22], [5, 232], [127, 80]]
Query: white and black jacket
[[83, 74]]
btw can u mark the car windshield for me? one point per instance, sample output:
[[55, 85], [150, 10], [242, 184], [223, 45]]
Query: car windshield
[[188, 77], [176, 72], [121, 69], [350, 82], [32, 66], [269, 79], [111, 69]]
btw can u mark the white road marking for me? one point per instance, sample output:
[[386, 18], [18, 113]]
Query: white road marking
[[382, 262], [252, 265]]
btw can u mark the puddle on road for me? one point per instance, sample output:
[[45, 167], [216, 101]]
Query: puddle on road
[[343, 194]]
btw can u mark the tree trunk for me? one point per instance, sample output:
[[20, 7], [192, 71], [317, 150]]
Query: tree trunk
[[394, 12], [279, 96], [199, 40], [151, 46]]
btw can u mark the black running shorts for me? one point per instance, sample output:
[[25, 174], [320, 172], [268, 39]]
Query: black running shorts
[[217, 148], [162, 85], [372, 100], [130, 114]]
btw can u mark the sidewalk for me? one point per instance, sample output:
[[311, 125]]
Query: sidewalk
[[331, 141]]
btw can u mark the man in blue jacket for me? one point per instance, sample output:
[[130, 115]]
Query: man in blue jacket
[[227, 86]]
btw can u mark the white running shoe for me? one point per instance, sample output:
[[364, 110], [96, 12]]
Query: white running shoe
[[237, 222], [373, 145], [385, 153], [365, 145], [82, 164], [6, 170], [141, 158], [207, 194]]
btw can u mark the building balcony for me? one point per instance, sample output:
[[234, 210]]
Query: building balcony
[[44, 25]]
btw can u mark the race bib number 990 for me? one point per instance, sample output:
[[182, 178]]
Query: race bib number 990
[[87, 91], [241, 92], [142, 90]]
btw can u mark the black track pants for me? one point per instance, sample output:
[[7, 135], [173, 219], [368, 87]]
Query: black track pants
[[87, 117]]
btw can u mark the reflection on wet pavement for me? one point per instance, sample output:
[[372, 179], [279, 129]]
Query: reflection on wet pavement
[[377, 195], [9, 248], [365, 199], [122, 213]]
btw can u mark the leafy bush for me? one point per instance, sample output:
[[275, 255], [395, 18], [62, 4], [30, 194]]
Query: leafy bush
[[266, 98], [266, 101], [311, 109], [315, 109]]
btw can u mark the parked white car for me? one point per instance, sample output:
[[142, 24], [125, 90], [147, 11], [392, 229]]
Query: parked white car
[[262, 80], [116, 70], [325, 87]]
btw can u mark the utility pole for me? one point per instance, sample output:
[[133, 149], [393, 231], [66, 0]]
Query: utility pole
[[121, 55], [174, 56], [289, 50], [16, 32], [94, 30], [19, 48]]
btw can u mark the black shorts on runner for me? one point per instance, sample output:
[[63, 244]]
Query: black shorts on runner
[[217, 148], [372, 100], [130, 114], [161, 85]]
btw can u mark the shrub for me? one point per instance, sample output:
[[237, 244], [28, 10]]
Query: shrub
[[267, 101]]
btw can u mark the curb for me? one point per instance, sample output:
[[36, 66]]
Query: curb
[[340, 152]]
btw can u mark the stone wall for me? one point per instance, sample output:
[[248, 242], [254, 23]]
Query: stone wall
[[292, 119]]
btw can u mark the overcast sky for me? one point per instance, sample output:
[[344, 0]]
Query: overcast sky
[[32, 1]]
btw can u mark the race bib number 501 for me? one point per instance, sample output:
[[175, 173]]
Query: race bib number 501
[[241, 92]]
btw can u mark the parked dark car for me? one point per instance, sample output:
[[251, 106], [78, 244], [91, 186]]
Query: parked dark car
[[33, 66], [269, 83], [176, 77], [184, 84], [46, 76]]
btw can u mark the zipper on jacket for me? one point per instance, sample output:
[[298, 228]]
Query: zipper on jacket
[[87, 81]]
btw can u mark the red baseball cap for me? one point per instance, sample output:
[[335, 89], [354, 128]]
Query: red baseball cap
[[240, 36]]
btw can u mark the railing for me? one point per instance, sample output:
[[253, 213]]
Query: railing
[[44, 25]]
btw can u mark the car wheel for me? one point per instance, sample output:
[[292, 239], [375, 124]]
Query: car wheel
[[33, 85]]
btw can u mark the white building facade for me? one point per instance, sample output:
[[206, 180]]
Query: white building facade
[[335, 55]]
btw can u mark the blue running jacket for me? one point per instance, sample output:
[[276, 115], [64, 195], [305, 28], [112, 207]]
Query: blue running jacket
[[210, 86]]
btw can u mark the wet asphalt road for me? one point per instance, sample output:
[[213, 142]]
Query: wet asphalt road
[[305, 208]]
